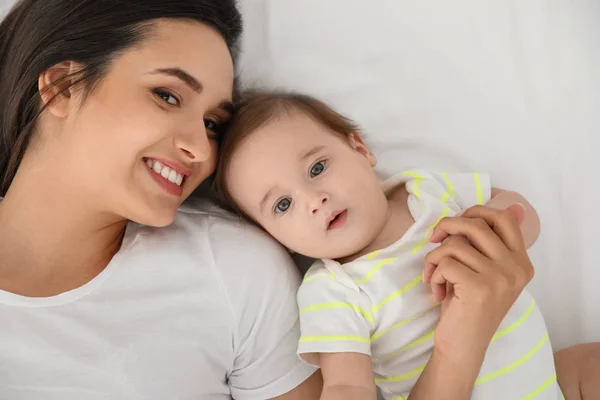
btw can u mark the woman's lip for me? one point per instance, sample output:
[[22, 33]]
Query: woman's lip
[[337, 220]]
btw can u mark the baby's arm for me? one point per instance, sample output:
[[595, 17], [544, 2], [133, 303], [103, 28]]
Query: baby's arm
[[347, 376], [530, 227]]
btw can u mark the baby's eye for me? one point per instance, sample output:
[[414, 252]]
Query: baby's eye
[[282, 206], [317, 169], [167, 97]]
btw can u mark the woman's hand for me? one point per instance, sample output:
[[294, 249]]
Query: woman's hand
[[478, 272]]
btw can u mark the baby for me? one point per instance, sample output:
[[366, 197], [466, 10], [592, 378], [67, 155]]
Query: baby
[[303, 173]]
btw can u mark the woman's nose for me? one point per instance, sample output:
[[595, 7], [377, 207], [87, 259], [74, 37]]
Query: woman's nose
[[195, 145]]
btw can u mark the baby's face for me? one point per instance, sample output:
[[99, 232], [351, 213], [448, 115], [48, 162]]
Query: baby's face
[[311, 189]]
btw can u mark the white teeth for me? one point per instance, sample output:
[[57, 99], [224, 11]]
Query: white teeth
[[172, 176], [165, 172]]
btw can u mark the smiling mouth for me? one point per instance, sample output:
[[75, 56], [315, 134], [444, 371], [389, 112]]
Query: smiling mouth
[[337, 220], [165, 172]]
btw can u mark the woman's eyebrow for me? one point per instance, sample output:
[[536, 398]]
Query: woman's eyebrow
[[180, 74], [227, 106]]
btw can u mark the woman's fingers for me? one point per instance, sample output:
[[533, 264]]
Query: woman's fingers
[[505, 223], [476, 230], [428, 271], [454, 272], [458, 248], [439, 291]]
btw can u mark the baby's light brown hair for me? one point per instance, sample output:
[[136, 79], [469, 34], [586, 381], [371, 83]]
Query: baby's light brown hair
[[255, 109]]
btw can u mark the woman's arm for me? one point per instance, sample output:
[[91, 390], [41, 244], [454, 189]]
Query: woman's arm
[[446, 379], [484, 274], [310, 389]]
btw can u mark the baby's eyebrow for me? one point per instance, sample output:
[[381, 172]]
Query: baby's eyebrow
[[263, 202], [311, 152]]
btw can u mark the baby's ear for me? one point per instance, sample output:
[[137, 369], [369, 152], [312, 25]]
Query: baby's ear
[[357, 143]]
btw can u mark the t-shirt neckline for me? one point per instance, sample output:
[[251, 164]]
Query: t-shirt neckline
[[13, 299]]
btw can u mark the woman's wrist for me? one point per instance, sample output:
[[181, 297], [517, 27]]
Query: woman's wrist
[[447, 378]]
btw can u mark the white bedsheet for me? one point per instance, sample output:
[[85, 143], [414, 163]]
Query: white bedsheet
[[509, 87], [504, 86]]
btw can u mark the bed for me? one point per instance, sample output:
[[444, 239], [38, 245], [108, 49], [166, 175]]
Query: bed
[[506, 87]]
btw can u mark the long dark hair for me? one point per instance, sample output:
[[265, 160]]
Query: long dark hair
[[38, 34]]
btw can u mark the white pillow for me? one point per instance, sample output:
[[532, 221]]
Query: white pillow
[[505, 87]]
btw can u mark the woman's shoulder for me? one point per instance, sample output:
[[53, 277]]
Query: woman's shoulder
[[220, 227], [233, 244]]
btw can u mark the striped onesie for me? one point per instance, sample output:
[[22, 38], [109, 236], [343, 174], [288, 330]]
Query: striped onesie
[[379, 306]]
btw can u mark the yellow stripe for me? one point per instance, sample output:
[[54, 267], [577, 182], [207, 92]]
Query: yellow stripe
[[514, 365], [418, 178], [372, 255], [400, 398], [404, 377], [445, 197], [312, 278], [398, 292], [338, 304], [541, 388], [422, 339], [413, 174], [449, 186], [517, 323], [478, 189], [306, 275], [375, 268], [415, 189], [342, 338], [401, 323], [426, 239]]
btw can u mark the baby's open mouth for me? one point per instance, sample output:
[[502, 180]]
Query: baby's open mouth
[[337, 219]]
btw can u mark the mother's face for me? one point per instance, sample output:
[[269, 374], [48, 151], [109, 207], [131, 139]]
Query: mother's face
[[146, 136]]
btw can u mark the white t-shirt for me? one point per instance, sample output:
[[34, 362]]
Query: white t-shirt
[[202, 309], [378, 305]]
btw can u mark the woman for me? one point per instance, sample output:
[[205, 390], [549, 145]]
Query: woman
[[110, 114], [133, 95]]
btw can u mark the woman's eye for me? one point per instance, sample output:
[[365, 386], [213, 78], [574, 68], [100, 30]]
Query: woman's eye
[[212, 125], [282, 205], [167, 97], [317, 169]]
